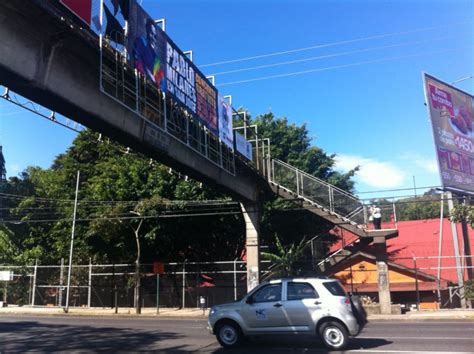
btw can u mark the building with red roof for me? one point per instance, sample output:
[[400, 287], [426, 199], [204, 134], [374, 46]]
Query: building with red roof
[[419, 242]]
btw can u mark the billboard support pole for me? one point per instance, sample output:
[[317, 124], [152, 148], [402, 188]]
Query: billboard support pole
[[454, 234], [440, 247]]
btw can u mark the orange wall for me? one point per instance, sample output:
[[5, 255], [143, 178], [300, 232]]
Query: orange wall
[[366, 273]]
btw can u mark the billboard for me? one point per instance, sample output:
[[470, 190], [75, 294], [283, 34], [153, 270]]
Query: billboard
[[161, 61], [451, 113], [225, 122], [243, 146], [81, 8], [146, 46]]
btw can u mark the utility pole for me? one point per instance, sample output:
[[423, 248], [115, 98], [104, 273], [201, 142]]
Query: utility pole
[[72, 245]]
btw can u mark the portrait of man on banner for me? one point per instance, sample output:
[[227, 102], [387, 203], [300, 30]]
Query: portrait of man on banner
[[146, 45]]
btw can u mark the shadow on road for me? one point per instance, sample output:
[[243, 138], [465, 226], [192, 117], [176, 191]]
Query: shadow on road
[[287, 344], [31, 335]]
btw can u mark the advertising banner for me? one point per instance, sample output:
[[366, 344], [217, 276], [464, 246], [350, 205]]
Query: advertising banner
[[225, 122], [146, 46], [155, 55], [243, 146], [452, 117], [206, 102], [81, 8]]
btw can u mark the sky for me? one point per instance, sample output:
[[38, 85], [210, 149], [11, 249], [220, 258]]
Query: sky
[[351, 71]]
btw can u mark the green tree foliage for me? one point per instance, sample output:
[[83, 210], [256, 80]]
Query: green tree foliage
[[426, 206], [463, 213], [286, 260], [113, 180]]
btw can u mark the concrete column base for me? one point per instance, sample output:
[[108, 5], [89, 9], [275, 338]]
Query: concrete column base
[[383, 275], [252, 217]]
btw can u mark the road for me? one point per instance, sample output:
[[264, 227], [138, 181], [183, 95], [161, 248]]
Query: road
[[129, 334]]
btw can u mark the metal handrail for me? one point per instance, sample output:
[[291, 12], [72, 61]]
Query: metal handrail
[[316, 179], [328, 201]]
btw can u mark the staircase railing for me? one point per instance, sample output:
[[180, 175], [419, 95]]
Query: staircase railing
[[317, 191]]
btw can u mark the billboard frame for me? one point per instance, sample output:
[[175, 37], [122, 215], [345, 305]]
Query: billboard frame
[[424, 76]]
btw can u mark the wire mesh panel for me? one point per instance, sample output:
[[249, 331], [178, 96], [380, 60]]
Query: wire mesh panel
[[318, 191]]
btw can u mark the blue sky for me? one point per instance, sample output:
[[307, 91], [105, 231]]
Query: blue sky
[[365, 106]]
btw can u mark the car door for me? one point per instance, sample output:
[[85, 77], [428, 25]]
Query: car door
[[263, 311], [302, 306]]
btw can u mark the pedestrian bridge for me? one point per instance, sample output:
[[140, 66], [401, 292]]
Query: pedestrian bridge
[[46, 56]]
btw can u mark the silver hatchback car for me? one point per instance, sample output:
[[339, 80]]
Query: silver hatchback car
[[296, 306]]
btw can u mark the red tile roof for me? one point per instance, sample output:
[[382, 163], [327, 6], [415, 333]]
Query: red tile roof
[[420, 238]]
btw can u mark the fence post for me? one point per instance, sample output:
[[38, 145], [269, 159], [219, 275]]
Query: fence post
[[89, 287], [235, 279], [331, 202], [184, 284], [297, 183], [34, 284], [61, 282], [395, 215], [157, 293]]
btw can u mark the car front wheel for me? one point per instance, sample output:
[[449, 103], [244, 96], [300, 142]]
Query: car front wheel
[[334, 335], [229, 335]]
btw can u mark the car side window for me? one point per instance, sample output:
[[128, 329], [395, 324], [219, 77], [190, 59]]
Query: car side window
[[271, 292], [300, 291]]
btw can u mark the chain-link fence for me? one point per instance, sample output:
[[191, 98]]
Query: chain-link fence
[[111, 285]]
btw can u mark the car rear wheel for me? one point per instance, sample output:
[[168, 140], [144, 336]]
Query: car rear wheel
[[229, 335], [334, 335]]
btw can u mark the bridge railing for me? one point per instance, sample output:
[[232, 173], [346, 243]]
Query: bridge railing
[[318, 191]]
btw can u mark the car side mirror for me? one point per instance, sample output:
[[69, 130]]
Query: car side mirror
[[249, 300]]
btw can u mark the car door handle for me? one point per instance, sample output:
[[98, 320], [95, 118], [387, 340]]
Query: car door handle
[[277, 305], [318, 302]]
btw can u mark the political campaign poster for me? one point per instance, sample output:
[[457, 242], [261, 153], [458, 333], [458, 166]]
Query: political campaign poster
[[225, 122], [81, 8], [146, 46], [162, 62], [180, 77], [451, 113], [206, 96], [243, 146]]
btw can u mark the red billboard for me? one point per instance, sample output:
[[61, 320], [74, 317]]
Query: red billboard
[[81, 8], [451, 113]]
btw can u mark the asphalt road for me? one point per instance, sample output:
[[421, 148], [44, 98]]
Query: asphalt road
[[128, 334]]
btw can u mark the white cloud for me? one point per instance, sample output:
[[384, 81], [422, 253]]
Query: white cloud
[[427, 164], [377, 174], [13, 170]]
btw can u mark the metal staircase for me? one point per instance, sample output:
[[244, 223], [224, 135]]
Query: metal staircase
[[321, 198], [329, 202]]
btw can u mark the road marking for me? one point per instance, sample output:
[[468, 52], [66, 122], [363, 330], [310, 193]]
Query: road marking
[[402, 351], [421, 338]]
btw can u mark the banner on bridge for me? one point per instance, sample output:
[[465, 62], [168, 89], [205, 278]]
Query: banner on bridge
[[225, 122], [243, 146], [451, 113], [161, 61]]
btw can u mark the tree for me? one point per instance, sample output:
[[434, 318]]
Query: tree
[[463, 213], [285, 258]]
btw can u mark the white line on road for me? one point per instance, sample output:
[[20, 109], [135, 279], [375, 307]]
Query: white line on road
[[402, 351], [421, 338]]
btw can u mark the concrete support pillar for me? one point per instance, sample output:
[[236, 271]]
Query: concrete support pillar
[[382, 272], [251, 216]]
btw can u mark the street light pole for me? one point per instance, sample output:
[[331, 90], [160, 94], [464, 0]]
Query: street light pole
[[72, 245], [136, 231]]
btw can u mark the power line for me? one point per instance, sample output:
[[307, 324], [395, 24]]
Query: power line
[[333, 44], [337, 67], [328, 56]]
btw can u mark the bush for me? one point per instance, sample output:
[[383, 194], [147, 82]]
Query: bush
[[469, 289]]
